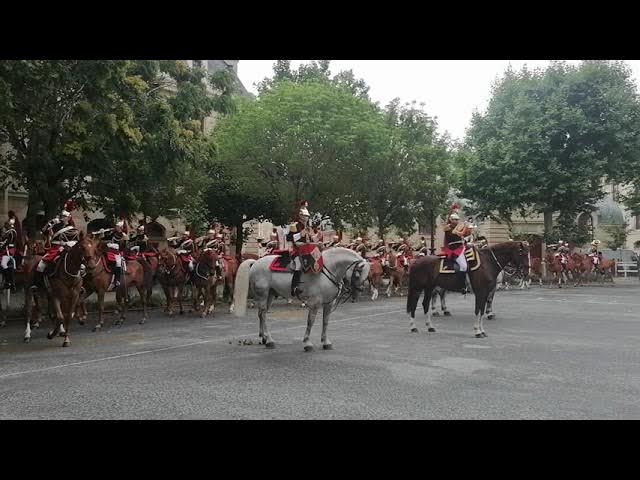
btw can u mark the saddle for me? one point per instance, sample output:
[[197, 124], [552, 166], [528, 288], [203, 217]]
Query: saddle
[[312, 260], [447, 264]]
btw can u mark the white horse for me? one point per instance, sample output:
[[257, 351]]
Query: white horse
[[320, 289]]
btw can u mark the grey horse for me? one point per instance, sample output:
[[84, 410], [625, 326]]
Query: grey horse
[[320, 289]]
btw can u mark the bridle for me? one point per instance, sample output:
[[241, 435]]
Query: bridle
[[344, 290]]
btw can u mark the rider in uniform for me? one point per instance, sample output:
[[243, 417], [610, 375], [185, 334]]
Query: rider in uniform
[[61, 233], [361, 247], [116, 244], [185, 248], [454, 246], [595, 255], [273, 242], [335, 241], [8, 249], [298, 235]]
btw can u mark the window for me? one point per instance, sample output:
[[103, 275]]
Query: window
[[197, 63], [637, 222]]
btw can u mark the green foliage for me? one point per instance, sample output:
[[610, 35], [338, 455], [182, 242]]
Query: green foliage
[[568, 230], [549, 136], [618, 234]]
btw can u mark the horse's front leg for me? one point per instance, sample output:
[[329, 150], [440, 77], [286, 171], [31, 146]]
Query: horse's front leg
[[481, 302], [180, 288], [311, 318], [59, 319], [489, 311], [429, 294], [326, 313]]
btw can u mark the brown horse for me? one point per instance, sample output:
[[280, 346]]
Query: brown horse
[[560, 271], [229, 274], [586, 268], [63, 287], [172, 276], [424, 276], [375, 276], [205, 281], [397, 274], [98, 280]]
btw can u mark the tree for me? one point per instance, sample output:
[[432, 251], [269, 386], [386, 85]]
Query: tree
[[549, 137], [167, 170], [296, 141], [56, 117]]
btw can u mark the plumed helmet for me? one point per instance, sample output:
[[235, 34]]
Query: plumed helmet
[[454, 216], [12, 221], [359, 239], [65, 213], [211, 232], [141, 228], [120, 224], [186, 232]]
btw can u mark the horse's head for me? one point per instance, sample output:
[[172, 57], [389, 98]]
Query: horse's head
[[209, 258], [89, 250], [167, 262], [356, 275], [520, 257]]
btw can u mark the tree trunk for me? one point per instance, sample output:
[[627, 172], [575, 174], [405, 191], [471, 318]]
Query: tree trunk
[[239, 240], [548, 226], [432, 222], [29, 224]]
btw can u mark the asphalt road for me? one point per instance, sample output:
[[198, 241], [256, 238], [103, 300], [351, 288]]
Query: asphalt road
[[550, 354]]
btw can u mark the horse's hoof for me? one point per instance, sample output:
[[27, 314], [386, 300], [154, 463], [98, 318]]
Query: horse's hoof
[[49, 335], [181, 312], [80, 322], [66, 343], [431, 330], [141, 322], [308, 348], [435, 314], [270, 345], [414, 330], [478, 335], [491, 316], [328, 346], [484, 335], [27, 339], [447, 313]]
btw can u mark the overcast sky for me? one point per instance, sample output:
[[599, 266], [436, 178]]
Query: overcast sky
[[450, 89]]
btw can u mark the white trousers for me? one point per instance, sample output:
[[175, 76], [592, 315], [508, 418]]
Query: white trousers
[[462, 262], [5, 261]]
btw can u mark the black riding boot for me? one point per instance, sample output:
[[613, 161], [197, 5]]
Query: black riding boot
[[117, 271], [295, 289], [38, 280], [219, 272], [5, 274], [10, 279]]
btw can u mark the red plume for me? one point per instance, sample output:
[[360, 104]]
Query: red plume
[[455, 206], [70, 205]]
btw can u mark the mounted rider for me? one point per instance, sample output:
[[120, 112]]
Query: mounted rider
[[274, 241], [298, 236], [405, 253], [335, 242], [562, 252], [60, 233], [8, 251], [454, 244], [185, 249], [116, 239], [595, 255], [206, 242], [361, 247]]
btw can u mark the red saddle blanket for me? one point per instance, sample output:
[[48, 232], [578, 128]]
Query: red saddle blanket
[[52, 254], [310, 256]]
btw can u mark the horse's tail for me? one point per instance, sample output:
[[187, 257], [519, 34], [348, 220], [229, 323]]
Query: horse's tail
[[241, 290], [413, 295]]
